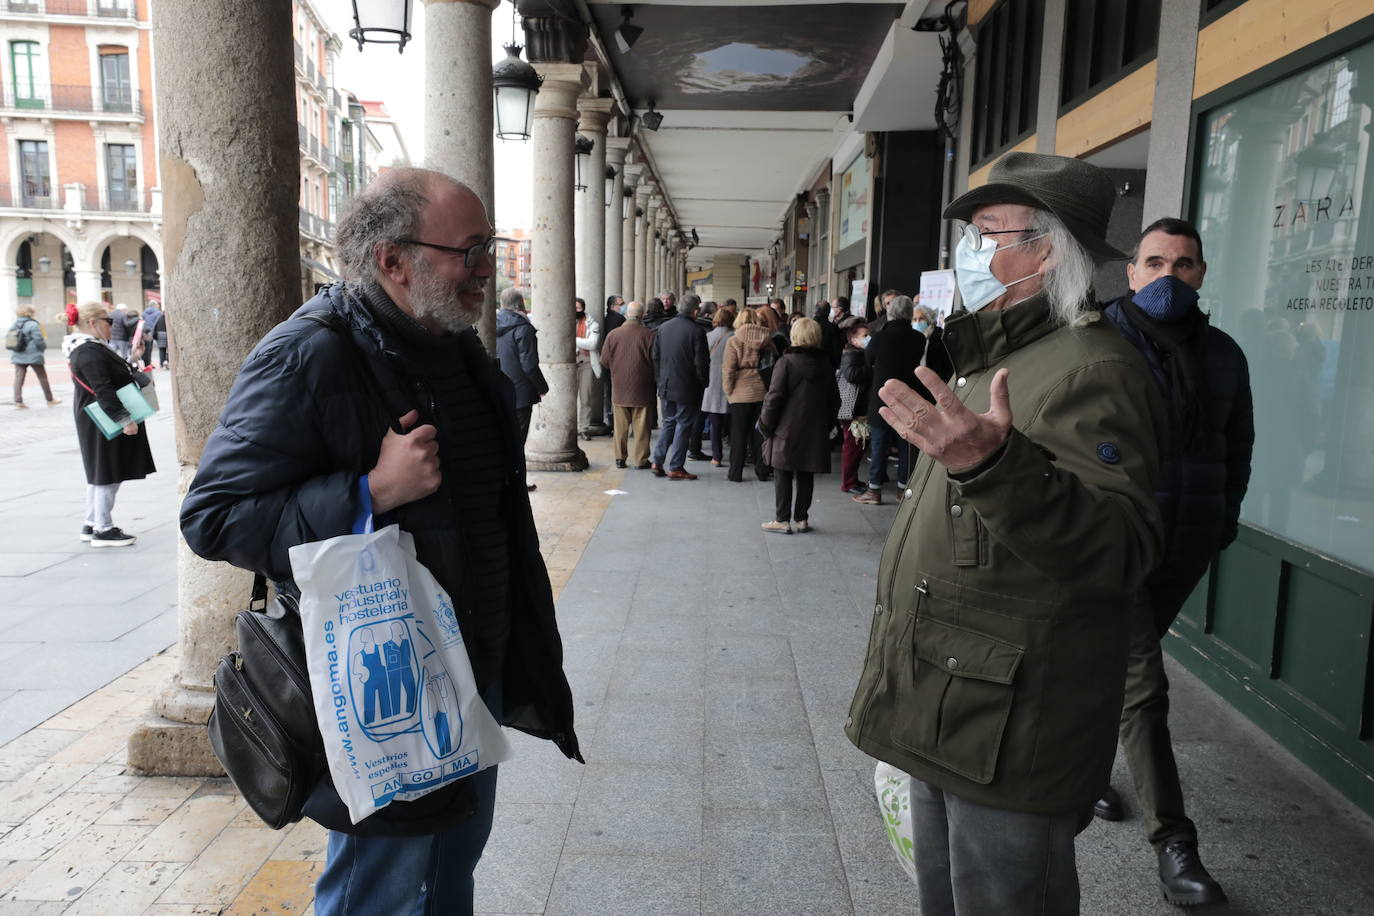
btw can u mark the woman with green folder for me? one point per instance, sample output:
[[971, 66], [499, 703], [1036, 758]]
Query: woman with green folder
[[100, 373]]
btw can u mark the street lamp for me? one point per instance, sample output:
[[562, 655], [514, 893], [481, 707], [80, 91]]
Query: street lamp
[[130, 267], [582, 152], [627, 203], [610, 184], [385, 22], [44, 263], [514, 84]]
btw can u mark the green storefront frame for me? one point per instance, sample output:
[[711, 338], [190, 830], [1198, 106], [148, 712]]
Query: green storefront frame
[[1278, 630]]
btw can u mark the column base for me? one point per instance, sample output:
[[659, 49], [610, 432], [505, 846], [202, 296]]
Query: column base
[[572, 460], [174, 741]]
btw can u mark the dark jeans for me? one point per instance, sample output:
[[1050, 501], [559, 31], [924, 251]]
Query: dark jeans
[[522, 416], [972, 859], [782, 494], [39, 370], [881, 437], [698, 431], [717, 421], [744, 438], [1145, 736], [676, 424], [162, 356]]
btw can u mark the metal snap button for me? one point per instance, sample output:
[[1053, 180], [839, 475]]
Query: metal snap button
[[877, 609], [956, 510], [908, 494], [961, 382], [849, 720], [951, 663]]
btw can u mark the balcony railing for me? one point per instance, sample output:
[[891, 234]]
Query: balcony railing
[[326, 157], [104, 9], [333, 98], [95, 99], [315, 147], [75, 198], [309, 70], [315, 226], [320, 82]]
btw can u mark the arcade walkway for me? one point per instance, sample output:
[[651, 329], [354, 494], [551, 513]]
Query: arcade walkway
[[712, 667]]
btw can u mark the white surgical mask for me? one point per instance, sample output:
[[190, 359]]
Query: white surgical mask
[[973, 272]]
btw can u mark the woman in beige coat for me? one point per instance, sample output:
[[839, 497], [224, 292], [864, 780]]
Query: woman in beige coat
[[744, 389]]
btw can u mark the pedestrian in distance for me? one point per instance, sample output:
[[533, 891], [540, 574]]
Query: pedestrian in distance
[[997, 656], [628, 358], [853, 379], [398, 400], [517, 352], [27, 346], [614, 318], [587, 346], [796, 418], [121, 329], [894, 353], [98, 373], [714, 404], [742, 381], [1205, 381], [682, 369]]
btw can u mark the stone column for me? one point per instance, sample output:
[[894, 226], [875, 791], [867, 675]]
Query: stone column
[[644, 245], [628, 238], [458, 110], [591, 225], [552, 444], [613, 272], [231, 246], [87, 285], [9, 295]]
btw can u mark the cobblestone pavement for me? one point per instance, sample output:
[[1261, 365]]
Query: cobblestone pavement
[[711, 665]]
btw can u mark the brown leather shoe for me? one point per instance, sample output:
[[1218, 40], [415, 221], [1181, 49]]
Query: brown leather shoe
[[869, 498], [681, 475], [658, 471]]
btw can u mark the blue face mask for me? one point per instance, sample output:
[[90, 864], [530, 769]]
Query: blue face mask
[[920, 326], [1166, 299], [973, 272], [864, 342]]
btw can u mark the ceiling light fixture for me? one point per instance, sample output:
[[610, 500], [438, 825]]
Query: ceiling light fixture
[[382, 22], [627, 34], [651, 118]]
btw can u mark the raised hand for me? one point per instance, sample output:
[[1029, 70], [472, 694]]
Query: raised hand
[[948, 431]]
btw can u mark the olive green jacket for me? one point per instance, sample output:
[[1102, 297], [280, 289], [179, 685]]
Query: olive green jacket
[[997, 655]]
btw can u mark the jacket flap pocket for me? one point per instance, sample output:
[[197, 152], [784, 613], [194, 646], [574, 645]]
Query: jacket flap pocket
[[965, 653]]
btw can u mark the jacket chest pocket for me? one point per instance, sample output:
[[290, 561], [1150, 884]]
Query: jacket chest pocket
[[961, 697], [968, 540]]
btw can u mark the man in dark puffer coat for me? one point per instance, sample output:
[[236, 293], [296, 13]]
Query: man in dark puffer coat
[[312, 418], [1203, 376]]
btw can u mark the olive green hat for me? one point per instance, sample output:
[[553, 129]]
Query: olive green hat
[[1079, 194]]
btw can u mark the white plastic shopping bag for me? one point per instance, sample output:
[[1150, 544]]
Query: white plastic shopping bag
[[394, 692], [894, 802]]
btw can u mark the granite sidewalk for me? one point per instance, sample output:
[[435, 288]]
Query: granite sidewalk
[[712, 667]]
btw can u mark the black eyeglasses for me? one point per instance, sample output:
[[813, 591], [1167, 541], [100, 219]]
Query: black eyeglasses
[[107, 319], [470, 254], [974, 235]]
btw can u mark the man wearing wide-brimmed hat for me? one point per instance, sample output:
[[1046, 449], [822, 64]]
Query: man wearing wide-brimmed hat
[[995, 669]]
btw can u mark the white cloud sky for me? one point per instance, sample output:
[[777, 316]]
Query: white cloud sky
[[378, 73]]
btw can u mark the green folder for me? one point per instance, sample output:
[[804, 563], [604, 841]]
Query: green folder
[[132, 399]]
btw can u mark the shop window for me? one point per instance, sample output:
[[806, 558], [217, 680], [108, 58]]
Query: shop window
[[25, 70], [116, 87], [1007, 76], [1103, 41], [1289, 235], [35, 181]]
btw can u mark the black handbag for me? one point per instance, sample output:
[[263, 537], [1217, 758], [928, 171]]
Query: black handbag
[[263, 729]]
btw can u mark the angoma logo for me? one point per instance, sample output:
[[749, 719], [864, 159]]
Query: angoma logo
[[1290, 213]]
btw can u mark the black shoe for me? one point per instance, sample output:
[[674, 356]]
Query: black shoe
[[659, 472], [620, 462], [643, 467], [86, 532], [733, 479], [112, 537], [696, 456], [1108, 807], [1183, 879]]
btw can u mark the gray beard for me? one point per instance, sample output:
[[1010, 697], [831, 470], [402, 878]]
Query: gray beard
[[434, 302]]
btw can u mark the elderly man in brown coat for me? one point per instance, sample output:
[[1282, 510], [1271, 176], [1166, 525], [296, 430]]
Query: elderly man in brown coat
[[628, 355]]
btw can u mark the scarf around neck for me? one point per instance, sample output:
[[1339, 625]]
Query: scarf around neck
[[1180, 342]]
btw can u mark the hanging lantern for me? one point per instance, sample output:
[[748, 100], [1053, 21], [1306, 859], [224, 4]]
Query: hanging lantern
[[514, 84], [627, 204], [582, 154], [385, 22], [610, 184], [130, 267]]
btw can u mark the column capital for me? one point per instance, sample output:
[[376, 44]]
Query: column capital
[[616, 148], [557, 97], [593, 114], [489, 4]]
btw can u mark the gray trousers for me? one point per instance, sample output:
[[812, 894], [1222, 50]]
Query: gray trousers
[[972, 860], [100, 500]]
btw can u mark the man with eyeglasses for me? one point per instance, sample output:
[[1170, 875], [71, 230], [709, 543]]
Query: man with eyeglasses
[[387, 391], [997, 660]]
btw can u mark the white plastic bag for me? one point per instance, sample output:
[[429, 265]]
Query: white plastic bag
[[394, 692], [894, 802]]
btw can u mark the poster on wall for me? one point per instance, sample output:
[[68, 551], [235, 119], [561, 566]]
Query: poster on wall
[[937, 292], [854, 203], [858, 297]]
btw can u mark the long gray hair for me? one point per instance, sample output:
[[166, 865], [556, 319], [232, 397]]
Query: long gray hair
[[387, 211], [1069, 283]]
